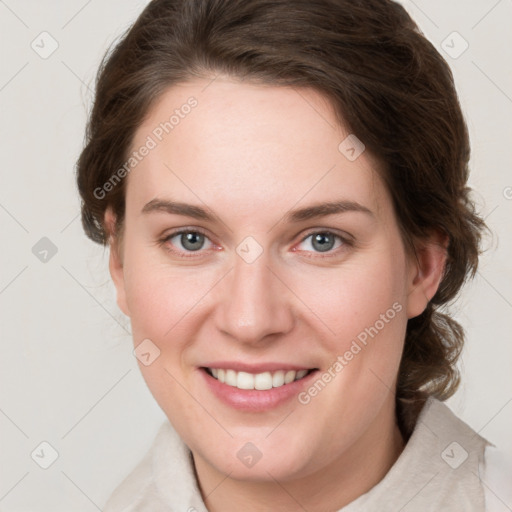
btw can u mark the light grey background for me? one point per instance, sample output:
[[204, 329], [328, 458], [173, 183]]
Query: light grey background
[[68, 376]]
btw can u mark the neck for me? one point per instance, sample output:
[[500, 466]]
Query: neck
[[352, 474]]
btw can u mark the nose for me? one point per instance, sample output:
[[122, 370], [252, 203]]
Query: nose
[[254, 304]]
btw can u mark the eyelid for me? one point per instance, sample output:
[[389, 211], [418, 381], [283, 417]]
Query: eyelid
[[185, 229], [342, 235]]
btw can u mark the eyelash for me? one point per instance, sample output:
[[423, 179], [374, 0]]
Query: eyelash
[[346, 242]]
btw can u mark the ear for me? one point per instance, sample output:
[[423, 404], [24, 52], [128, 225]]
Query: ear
[[426, 271], [115, 263]]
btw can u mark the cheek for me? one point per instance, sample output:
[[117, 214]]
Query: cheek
[[162, 304], [160, 296], [364, 304], [149, 299], [353, 297], [364, 307]]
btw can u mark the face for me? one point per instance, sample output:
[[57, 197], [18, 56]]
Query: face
[[265, 266]]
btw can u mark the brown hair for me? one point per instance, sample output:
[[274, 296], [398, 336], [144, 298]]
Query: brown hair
[[388, 85]]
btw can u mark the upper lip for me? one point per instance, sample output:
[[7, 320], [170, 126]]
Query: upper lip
[[255, 368]]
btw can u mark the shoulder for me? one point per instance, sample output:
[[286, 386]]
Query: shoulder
[[137, 491], [496, 477], [494, 469], [163, 480]]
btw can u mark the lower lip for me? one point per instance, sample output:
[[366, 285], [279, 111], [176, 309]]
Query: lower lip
[[252, 399]]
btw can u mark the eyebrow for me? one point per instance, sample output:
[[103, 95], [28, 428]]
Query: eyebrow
[[302, 214]]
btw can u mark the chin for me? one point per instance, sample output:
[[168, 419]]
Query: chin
[[245, 461]]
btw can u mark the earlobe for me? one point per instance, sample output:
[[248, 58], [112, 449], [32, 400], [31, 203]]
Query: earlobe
[[426, 272], [115, 264]]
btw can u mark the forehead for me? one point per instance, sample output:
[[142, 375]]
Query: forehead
[[236, 142]]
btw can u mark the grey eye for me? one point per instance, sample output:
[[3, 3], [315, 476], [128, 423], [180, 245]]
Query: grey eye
[[323, 242], [189, 241], [192, 241]]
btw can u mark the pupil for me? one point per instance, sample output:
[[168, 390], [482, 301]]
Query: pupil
[[192, 241], [324, 240]]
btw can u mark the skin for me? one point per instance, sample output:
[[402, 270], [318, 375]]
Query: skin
[[250, 154]]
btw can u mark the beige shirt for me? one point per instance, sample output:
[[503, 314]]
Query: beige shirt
[[440, 469]]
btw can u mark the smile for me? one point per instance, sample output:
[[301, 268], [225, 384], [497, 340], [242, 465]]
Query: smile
[[259, 381]]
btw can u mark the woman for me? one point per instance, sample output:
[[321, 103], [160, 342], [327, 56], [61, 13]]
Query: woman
[[282, 186]]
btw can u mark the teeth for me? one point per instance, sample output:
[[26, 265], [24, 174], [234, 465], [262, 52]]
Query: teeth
[[231, 378], [244, 380], [289, 376], [278, 379], [301, 373], [263, 381], [259, 381]]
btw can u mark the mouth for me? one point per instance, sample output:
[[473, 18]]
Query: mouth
[[256, 386], [257, 381]]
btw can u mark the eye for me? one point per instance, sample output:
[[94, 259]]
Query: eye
[[322, 241], [188, 240]]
